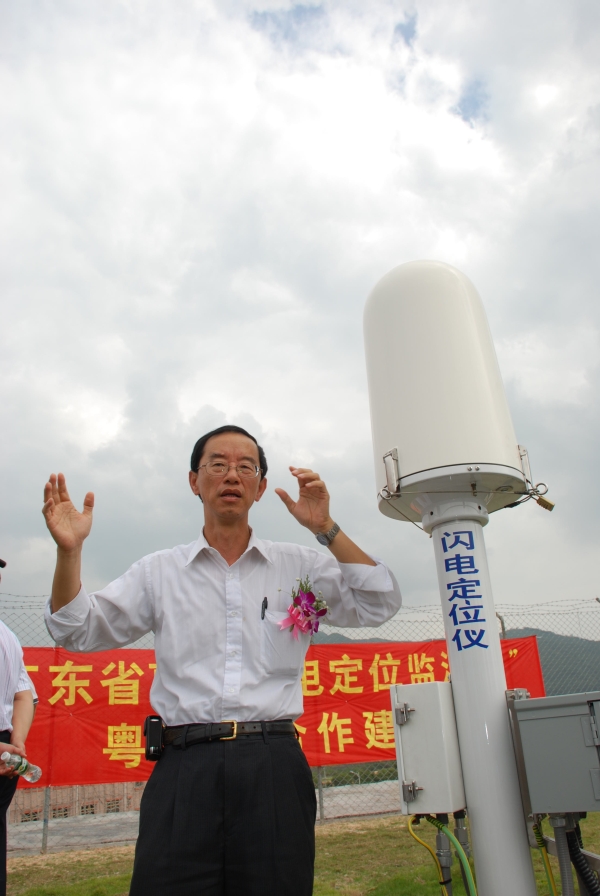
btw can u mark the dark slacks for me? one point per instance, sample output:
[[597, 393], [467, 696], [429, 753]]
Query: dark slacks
[[7, 791], [228, 818]]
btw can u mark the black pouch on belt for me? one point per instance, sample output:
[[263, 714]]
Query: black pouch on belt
[[153, 732]]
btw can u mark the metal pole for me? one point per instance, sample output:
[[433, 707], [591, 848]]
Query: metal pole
[[502, 626], [320, 787], [498, 832], [45, 819]]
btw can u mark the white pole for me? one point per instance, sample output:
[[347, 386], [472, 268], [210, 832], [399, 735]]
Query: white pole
[[500, 845]]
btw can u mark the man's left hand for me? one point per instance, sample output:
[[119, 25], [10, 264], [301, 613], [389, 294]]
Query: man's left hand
[[312, 507]]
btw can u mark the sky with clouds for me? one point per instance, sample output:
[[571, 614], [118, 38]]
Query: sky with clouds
[[199, 196]]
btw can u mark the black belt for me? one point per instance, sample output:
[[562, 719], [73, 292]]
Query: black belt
[[178, 735]]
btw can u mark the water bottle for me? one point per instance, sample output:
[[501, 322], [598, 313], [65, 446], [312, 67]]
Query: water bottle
[[31, 773]]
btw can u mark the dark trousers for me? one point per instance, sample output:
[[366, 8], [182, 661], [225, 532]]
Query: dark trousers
[[228, 818], [7, 791]]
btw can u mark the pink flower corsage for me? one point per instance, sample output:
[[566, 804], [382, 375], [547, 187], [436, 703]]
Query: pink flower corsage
[[305, 611]]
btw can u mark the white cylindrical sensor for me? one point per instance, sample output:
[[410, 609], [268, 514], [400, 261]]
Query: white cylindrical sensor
[[439, 415]]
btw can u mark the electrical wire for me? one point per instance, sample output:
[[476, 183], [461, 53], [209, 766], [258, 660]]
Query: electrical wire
[[535, 492], [388, 499], [442, 882], [539, 839], [459, 851], [581, 864]]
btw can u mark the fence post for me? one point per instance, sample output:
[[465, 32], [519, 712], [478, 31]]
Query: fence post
[[502, 626], [320, 786], [45, 820]]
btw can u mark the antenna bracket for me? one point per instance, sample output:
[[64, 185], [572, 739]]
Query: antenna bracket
[[392, 472]]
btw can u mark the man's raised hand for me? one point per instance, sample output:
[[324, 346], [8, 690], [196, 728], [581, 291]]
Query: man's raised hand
[[312, 510], [68, 527], [312, 507]]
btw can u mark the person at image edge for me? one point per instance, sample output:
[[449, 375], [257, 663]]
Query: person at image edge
[[229, 809], [17, 706]]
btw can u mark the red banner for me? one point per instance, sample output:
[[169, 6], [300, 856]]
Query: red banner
[[89, 723]]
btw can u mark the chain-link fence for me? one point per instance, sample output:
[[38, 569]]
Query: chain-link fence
[[60, 818]]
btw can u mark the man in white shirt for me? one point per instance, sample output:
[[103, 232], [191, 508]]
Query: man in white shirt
[[16, 715], [230, 806]]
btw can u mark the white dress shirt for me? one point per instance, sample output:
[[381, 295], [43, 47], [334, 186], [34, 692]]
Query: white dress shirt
[[13, 675], [216, 657]]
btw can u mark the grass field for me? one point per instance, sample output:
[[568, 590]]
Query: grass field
[[366, 857]]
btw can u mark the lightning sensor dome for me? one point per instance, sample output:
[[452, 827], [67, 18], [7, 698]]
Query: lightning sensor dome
[[440, 420]]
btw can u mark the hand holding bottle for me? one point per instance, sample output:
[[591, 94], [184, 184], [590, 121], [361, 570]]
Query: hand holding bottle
[[18, 748], [22, 766]]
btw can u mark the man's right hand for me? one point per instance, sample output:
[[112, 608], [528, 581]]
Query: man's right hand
[[67, 526], [69, 529]]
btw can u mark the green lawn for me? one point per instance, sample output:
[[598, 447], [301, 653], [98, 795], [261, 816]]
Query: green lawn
[[366, 857], [94, 872], [375, 856], [93, 886]]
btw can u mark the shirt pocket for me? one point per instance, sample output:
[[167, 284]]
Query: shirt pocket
[[281, 653]]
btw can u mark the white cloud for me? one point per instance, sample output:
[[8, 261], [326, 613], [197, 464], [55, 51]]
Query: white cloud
[[552, 367], [30, 559], [545, 94], [91, 419], [197, 200]]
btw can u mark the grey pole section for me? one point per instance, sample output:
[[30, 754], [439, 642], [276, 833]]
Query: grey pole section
[[45, 820], [444, 852], [500, 845], [320, 786], [558, 822]]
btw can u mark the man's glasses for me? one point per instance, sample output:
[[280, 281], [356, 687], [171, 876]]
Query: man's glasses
[[220, 468]]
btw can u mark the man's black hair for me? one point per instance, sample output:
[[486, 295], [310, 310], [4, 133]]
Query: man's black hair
[[201, 443]]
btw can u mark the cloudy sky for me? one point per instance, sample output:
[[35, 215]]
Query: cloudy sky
[[197, 199]]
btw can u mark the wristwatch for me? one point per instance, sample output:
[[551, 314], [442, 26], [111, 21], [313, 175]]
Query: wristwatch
[[327, 537]]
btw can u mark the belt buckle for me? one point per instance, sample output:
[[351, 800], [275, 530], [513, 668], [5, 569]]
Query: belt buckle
[[230, 722]]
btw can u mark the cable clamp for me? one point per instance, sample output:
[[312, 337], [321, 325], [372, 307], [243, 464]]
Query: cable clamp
[[409, 791], [402, 714]]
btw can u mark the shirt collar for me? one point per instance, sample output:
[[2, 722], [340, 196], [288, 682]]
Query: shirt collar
[[254, 544]]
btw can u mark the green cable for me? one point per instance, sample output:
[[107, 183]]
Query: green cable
[[544, 853], [459, 850], [539, 839]]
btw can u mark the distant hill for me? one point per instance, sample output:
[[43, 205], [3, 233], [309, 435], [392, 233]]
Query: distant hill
[[570, 665]]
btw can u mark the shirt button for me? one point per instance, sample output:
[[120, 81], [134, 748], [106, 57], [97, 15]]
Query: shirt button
[[230, 690], [233, 613]]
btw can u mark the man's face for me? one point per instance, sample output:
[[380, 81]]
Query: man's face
[[231, 496]]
